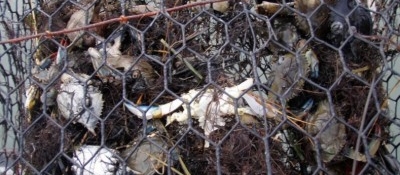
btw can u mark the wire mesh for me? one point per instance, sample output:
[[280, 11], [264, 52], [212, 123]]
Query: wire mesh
[[199, 87]]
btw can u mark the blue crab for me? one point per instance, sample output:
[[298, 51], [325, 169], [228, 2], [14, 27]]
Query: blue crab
[[74, 100]]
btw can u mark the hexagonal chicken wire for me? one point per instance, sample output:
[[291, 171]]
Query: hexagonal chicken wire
[[199, 87]]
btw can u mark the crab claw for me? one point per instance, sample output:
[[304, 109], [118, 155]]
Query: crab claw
[[151, 112], [61, 53], [307, 105], [114, 51], [32, 94], [46, 63], [49, 97], [314, 63], [97, 59], [258, 109], [392, 162]]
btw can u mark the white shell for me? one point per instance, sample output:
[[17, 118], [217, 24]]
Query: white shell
[[94, 160], [71, 101]]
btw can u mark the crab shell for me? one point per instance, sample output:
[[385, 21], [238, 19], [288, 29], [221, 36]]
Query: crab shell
[[287, 35], [145, 157], [74, 103], [93, 159], [333, 136], [45, 75], [140, 67]]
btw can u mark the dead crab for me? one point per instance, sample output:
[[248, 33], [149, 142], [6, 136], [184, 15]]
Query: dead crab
[[145, 153], [140, 68], [288, 71], [45, 71], [330, 132], [208, 110], [79, 102], [93, 159]]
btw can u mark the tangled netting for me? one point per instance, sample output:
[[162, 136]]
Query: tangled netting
[[199, 87]]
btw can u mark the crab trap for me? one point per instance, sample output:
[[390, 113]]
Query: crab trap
[[199, 87]]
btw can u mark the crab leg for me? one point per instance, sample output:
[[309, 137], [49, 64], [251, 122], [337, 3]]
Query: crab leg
[[314, 63], [258, 109], [151, 112], [270, 8], [61, 53]]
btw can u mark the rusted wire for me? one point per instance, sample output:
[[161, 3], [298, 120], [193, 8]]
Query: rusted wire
[[121, 19]]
